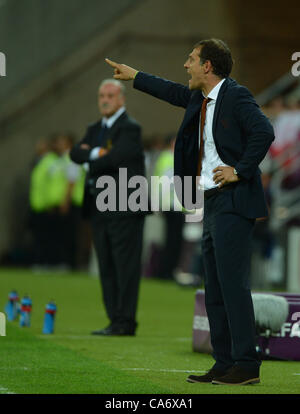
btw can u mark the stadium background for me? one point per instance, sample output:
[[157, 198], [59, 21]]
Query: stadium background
[[55, 60]]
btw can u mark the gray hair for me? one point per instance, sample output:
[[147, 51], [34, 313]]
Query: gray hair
[[113, 82]]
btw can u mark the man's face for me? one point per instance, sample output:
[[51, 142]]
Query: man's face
[[195, 69], [110, 99]]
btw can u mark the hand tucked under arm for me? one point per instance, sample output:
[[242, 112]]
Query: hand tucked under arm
[[127, 146], [85, 146], [80, 153], [97, 152]]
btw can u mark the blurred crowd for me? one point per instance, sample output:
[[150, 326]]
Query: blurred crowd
[[50, 234], [55, 195], [281, 181], [284, 114], [59, 239]]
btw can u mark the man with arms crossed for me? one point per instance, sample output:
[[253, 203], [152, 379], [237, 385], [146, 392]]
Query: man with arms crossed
[[223, 138], [109, 144]]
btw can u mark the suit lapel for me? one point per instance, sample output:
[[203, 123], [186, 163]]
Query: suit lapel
[[117, 123], [194, 107], [218, 106], [111, 132]]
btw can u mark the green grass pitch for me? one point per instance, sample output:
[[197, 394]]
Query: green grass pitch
[[71, 361]]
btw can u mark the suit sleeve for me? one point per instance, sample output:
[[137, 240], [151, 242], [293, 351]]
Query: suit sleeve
[[258, 131], [128, 146], [174, 93], [79, 155]]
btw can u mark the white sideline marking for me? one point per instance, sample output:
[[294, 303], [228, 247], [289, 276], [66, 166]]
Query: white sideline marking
[[65, 336], [53, 336], [159, 370], [183, 339], [296, 374], [4, 390]]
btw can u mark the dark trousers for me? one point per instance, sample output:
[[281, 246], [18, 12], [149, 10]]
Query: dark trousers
[[118, 243], [48, 238], [226, 246], [39, 223], [170, 253], [70, 223]]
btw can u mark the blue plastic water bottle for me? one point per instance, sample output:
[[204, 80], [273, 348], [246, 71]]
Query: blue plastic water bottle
[[12, 306], [26, 306], [49, 318]]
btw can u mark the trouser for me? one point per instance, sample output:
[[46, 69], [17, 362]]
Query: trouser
[[170, 253], [55, 236], [41, 244], [118, 243], [226, 246], [70, 228]]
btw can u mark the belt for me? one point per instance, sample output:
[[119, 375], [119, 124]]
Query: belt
[[216, 190]]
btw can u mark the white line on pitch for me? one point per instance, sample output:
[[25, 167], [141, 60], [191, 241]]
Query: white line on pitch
[[14, 368], [296, 374], [65, 336], [97, 336], [159, 370], [4, 390]]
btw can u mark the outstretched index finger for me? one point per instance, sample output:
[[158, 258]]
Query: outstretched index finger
[[112, 63]]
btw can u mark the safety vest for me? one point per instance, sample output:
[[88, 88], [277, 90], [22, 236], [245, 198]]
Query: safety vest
[[78, 190], [59, 181], [164, 163], [39, 182], [165, 167]]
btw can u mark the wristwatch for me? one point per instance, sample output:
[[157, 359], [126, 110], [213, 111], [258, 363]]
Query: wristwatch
[[235, 172]]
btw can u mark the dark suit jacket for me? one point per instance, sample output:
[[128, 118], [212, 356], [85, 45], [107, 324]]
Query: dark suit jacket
[[241, 132], [126, 152]]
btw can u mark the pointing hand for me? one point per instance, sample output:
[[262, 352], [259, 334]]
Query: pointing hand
[[122, 72]]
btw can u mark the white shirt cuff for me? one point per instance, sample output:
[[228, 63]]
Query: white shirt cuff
[[94, 154]]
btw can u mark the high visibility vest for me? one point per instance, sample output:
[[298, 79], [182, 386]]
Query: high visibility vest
[[165, 167], [57, 182], [39, 182], [164, 163], [78, 190], [60, 179]]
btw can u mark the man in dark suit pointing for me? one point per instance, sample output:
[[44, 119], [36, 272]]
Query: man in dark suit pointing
[[223, 138], [111, 144]]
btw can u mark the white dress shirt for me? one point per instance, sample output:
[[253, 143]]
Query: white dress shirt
[[112, 119], [108, 122], [211, 159]]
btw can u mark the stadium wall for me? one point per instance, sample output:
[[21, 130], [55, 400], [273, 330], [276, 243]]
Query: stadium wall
[[151, 35]]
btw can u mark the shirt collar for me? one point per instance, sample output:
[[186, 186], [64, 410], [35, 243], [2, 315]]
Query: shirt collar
[[108, 122], [213, 94]]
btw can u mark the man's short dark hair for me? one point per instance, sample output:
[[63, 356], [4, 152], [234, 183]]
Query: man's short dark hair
[[218, 53]]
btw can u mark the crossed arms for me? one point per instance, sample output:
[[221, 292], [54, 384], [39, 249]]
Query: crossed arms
[[127, 146]]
